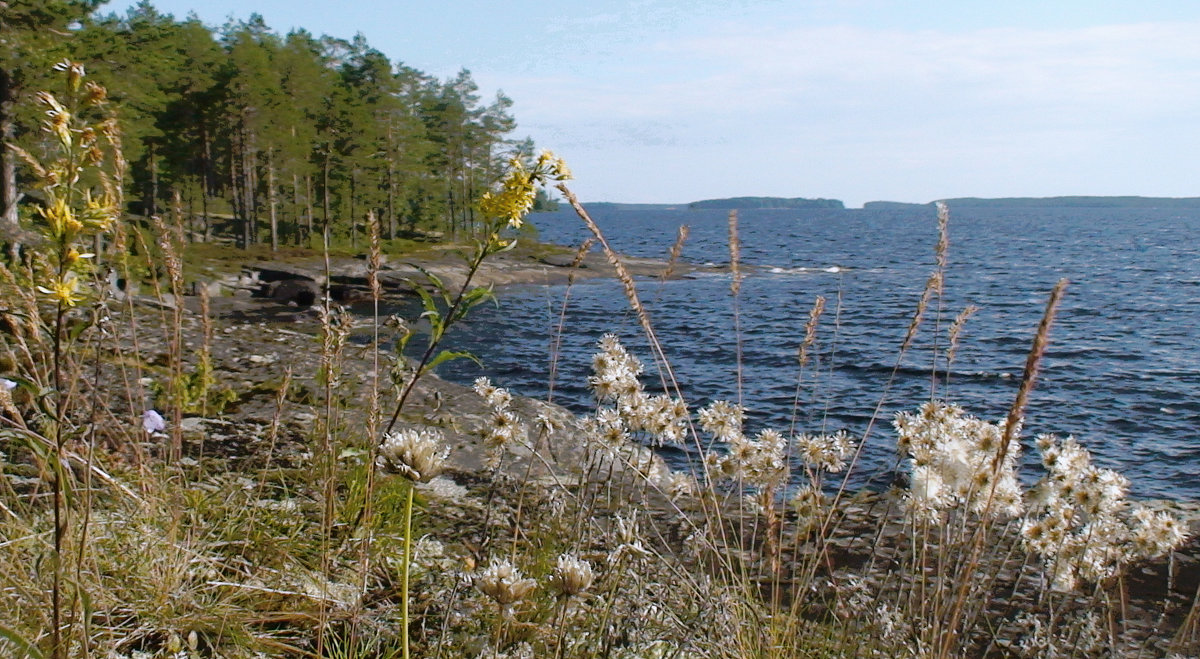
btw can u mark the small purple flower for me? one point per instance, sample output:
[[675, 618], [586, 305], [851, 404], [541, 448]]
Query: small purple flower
[[153, 422]]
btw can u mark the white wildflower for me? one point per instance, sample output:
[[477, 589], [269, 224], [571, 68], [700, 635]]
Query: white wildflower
[[958, 460], [417, 454], [497, 398], [722, 419], [503, 583], [615, 371], [1085, 530], [572, 575], [680, 484], [825, 452]]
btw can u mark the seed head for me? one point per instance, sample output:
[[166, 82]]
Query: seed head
[[504, 583], [572, 575], [497, 398], [417, 454]]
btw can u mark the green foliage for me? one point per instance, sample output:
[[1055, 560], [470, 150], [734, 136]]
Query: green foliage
[[292, 133], [197, 393]]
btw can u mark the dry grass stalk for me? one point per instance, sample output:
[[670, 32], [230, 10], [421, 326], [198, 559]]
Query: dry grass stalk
[[735, 254], [735, 287], [810, 330], [635, 302], [943, 243], [955, 331], [1016, 413], [681, 236], [932, 286], [374, 409], [168, 243], [950, 636]]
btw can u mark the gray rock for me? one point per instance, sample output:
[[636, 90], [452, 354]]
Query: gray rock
[[303, 292]]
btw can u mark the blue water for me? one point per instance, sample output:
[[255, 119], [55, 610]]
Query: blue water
[[1122, 373]]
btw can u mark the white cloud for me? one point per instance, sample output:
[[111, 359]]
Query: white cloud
[[1006, 107]]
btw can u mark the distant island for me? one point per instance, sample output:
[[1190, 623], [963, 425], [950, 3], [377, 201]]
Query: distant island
[[617, 206], [1041, 202], [732, 203], [800, 203], [765, 203]]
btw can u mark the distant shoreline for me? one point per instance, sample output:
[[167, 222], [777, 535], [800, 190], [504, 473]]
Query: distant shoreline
[[798, 203]]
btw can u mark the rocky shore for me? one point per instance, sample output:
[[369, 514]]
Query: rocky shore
[[264, 322], [265, 333], [300, 282]]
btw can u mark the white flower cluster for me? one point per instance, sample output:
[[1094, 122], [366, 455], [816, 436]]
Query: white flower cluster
[[504, 426], [1085, 528], [628, 540], [760, 461], [955, 461], [614, 371], [572, 575], [825, 452], [417, 454], [723, 420], [504, 583], [809, 503], [615, 380]]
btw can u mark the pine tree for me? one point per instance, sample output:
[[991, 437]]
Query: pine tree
[[32, 38]]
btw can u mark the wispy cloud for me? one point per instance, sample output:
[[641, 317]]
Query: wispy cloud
[[923, 96]]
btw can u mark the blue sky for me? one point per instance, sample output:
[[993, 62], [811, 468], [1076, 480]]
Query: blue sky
[[673, 101]]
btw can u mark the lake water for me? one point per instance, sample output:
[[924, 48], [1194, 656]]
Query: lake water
[[1122, 373]]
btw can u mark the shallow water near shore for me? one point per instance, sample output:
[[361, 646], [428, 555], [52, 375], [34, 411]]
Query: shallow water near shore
[[1122, 373]]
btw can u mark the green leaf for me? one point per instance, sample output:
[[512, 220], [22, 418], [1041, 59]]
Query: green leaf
[[435, 280], [437, 325], [427, 301], [402, 342], [23, 644], [76, 329], [448, 355], [471, 299]]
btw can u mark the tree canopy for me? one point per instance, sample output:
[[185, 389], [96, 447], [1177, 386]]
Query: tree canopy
[[259, 136]]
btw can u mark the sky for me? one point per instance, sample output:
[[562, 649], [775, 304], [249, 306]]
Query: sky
[[670, 101]]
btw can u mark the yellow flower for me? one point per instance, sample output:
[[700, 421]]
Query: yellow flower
[[74, 72], [60, 221], [64, 290], [518, 188], [59, 121], [98, 214], [96, 95]]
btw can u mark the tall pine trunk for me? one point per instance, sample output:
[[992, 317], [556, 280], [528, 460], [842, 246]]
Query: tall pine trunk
[[353, 210], [236, 161], [391, 200], [308, 203], [297, 211], [150, 200], [205, 177], [9, 227], [325, 192], [391, 183], [272, 201], [247, 188]]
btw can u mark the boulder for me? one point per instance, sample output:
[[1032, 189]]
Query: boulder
[[303, 292]]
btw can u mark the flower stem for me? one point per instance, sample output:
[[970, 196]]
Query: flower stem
[[404, 574]]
